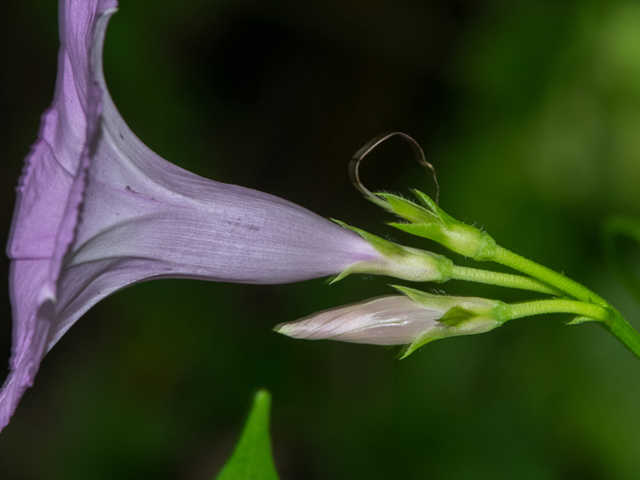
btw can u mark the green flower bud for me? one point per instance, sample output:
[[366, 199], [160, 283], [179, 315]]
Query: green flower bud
[[430, 221]]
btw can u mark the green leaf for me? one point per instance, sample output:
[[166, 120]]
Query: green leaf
[[252, 458]]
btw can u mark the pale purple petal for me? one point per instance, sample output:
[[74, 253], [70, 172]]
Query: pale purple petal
[[97, 211], [391, 320]]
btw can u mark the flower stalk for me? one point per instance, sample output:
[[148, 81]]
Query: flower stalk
[[429, 221], [500, 279], [559, 281]]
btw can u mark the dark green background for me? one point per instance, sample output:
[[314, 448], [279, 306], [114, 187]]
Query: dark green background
[[530, 111]]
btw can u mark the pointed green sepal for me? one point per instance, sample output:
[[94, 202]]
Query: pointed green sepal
[[407, 209], [581, 319], [462, 316], [252, 458], [380, 244], [457, 317]]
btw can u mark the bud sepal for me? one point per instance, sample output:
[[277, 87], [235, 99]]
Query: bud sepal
[[462, 316]]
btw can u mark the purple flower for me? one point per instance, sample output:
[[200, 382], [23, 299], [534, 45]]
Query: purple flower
[[97, 210]]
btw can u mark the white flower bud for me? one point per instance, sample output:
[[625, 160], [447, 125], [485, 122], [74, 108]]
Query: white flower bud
[[413, 320], [390, 320]]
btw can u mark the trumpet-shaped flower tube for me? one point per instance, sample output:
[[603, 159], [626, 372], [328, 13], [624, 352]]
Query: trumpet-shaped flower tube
[[97, 210]]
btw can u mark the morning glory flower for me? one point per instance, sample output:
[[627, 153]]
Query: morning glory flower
[[97, 211]]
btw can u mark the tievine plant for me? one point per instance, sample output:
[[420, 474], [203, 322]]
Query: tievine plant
[[98, 211]]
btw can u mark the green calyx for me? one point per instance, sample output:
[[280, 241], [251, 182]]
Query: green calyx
[[401, 262], [460, 316], [430, 221]]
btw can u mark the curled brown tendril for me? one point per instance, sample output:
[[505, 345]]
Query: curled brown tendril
[[354, 164]]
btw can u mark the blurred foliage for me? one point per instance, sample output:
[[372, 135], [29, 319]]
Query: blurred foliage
[[528, 109], [621, 235]]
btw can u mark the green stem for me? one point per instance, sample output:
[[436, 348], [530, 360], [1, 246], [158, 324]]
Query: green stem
[[546, 275], [624, 332], [540, 307], [503, 280], [605, 315]]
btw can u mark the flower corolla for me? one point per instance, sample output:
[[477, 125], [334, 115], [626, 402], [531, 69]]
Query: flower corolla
[[97, 211]]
